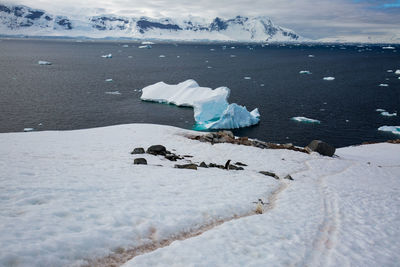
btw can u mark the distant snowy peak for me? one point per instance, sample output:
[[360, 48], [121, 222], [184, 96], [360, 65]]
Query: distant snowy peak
[[17, 20]]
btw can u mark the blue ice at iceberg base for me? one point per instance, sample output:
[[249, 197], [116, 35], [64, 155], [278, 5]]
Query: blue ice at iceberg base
[[211, 107]]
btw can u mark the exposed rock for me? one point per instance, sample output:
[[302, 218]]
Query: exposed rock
[[138, 150], [213, 165], [270, 174], [190, 166], [240, 164], [236, 168], [172, 157], [288, 177], [157, 150], [203, 165], [140, 161], [322, 148]]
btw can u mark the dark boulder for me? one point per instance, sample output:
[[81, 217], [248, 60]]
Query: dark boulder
[[138, 150], [190, 166], [140, 161], [270, 174], [203, 165], [321, 147], [236, 168], [157, 150], [240, 164]]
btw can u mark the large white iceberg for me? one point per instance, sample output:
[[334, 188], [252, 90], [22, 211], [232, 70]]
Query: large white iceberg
[[211, 107]]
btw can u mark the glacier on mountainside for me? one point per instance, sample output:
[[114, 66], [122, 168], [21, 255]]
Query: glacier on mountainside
[[211, 107]]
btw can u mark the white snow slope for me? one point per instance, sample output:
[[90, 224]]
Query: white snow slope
[[70, 196]]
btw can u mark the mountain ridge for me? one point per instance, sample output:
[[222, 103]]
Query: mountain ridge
[[26, 21]]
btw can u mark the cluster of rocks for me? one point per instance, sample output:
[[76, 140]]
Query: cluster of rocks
[[228, 137], [227, 166], [273, 175], [155, 150]]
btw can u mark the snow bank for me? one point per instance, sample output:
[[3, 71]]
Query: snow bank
[[304, 119], [211, 107], [392, 129]]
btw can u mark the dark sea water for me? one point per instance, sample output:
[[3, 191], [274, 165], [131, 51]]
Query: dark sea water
[[70, 94]]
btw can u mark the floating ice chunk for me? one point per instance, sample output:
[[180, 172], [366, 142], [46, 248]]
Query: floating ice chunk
[[125, 46], [211, 107], [28, 129], [42, 62], [247, 78], [305, 72], [161, 56], [209, 67], [328, 78], [232, 55], [387, 114], [304, 119], [388, 48], [212, 49], [182, 94], [384, 85], [234, 116], [232, 47], [107, 56], [262, 85], [147, 43], [311, 56], [113, 93], [389, 71], [380, 110], [397, 72], [392, 129], [144, 46], [108, 80], [129, 56]]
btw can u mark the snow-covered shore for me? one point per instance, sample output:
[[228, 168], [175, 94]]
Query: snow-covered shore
[[69, 197]]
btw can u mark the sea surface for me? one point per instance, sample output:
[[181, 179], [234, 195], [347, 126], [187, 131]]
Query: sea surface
[[73, 93]]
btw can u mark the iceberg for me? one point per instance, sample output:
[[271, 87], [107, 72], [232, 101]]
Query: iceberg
[[42, 62], [305, 72], [384, 85], [328, 78], [211, 107], [387, 114], [397, 72], [107, 56], [392, 129], [380, 110], [145, 46], [28, 129], [306, 120], [108, 80]]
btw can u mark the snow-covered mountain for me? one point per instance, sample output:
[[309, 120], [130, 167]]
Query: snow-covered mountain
[[23, 20]]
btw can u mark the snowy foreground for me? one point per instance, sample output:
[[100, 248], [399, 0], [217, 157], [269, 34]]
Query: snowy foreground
[[68, 198]]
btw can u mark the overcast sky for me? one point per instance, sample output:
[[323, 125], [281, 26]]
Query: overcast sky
[[309, 18]]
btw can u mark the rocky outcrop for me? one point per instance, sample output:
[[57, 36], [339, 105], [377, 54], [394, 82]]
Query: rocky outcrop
[[321, 147], [140, 161]]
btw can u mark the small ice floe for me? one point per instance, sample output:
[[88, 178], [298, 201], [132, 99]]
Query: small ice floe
[[209, 67], [380, 110], [388, 47], [397, 72], [28, 129], [232, 47], [328, 78], [262, 85], [387, 114], [161, 56], [178, 56], [392, 129], [305, 72], [144, 46], [389, 71], [113, 93], [212, 49], [383, 85], [129, 56], [147, 43], [125, 46], [232, 55], [247, 78], [108, 80], [40, 124], [311, 56], [42, 62], [107, 56], [304, 119], [346, 120]]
